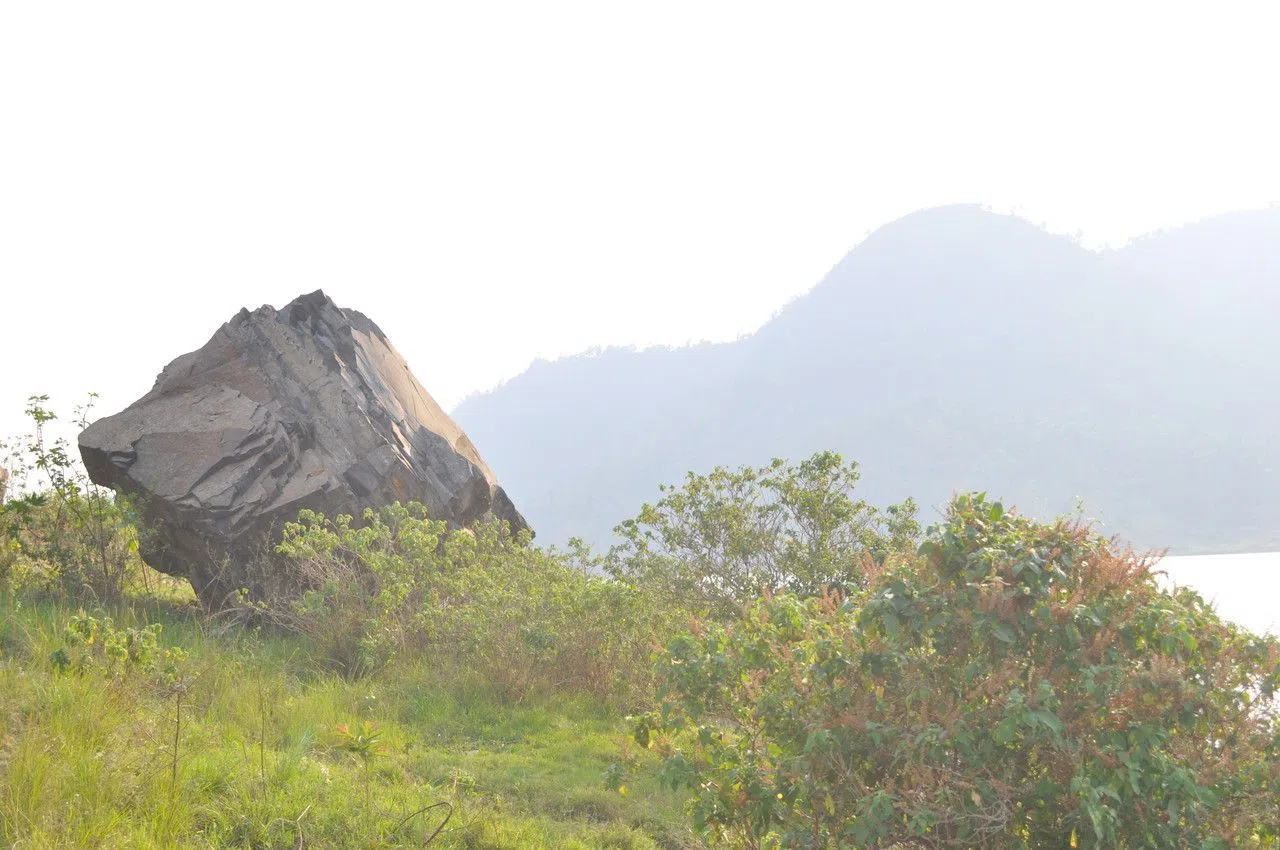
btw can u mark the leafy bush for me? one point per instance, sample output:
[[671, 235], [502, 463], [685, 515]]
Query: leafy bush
[[63, 533], [720, 539], [96, 643], [1018, 685], [525, 618]]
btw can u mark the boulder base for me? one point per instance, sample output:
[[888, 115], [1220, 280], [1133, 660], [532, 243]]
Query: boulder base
[[309, 406]]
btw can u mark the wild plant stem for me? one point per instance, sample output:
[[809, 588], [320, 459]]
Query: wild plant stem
[[262, 735], [177, 730]]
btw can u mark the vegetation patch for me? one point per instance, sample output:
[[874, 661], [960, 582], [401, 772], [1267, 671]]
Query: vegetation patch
[[763, 661]]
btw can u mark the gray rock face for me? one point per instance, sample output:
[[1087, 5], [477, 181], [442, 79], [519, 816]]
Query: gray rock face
[[308, 406]]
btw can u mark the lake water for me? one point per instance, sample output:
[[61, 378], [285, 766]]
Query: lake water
[[1244, 588]]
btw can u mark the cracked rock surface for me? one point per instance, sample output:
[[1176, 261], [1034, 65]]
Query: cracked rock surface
[[309, 406]]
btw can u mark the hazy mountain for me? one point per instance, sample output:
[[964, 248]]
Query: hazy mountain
[[953, 349]]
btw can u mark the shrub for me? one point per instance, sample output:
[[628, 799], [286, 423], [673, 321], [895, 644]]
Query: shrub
[[479, 599], [96, 643], [1018, 685], [63, 533], [720, 539]]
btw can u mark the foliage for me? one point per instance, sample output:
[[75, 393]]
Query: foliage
[[361, 743], [1008, 684], [91, 642], [60, 531], [722, 538], [1019, 685], [403, 584]]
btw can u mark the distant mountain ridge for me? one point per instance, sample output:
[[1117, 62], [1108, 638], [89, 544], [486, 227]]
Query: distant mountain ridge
[[953, 349]]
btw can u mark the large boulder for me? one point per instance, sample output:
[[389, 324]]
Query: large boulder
[[309, 406]]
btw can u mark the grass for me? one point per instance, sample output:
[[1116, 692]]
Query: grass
[[87, 759]]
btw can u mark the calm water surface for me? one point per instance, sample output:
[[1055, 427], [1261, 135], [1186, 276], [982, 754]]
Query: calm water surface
[[1244, 588]]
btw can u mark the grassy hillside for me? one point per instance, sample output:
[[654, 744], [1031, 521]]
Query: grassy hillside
[[766, 660], [88, 759]]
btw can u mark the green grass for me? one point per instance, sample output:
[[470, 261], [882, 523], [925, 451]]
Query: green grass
[[86, 759]]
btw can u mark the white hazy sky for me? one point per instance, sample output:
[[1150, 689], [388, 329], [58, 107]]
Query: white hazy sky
[[497, 182]]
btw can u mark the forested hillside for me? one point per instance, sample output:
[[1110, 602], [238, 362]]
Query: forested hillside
[[954, 349]]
